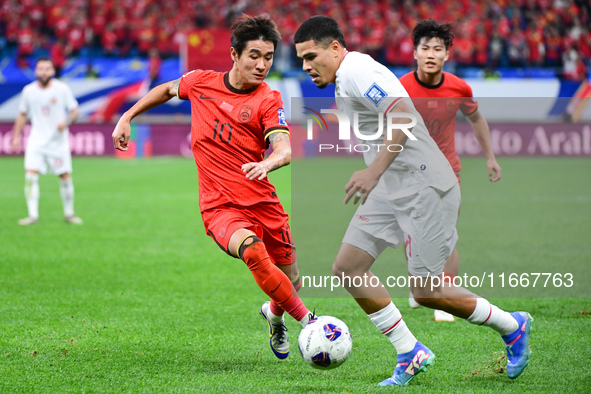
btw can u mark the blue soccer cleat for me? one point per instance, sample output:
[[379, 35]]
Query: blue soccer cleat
[[278, 338], [409, 365], [517, 344]]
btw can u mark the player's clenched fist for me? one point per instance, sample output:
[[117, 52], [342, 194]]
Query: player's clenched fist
[[121, 135]]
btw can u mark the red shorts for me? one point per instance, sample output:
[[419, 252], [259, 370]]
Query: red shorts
[[267, 220]]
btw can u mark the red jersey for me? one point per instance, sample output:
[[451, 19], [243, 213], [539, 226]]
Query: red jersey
[[229, 128], [438, 113]]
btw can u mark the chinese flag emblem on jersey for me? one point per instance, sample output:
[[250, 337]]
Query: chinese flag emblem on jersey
[[206, 49]]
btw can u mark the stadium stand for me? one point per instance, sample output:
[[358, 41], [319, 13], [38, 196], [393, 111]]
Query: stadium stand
[[493, 34]]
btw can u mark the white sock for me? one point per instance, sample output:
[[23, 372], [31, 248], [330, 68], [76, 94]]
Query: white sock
[[389, 322], [274, 318], [486, 314], [306, 319], [67, 193], [32, 193]]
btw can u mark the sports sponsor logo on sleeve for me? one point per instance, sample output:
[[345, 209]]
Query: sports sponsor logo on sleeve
[[281, 114], [376, 94]]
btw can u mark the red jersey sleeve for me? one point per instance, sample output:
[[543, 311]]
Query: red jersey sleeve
[[469, 105], [273, 117], [408, 82], [187, 82]]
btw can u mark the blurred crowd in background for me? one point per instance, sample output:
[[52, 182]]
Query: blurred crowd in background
[[491, 34]]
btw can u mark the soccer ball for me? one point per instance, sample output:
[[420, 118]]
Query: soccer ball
[[325, 342]]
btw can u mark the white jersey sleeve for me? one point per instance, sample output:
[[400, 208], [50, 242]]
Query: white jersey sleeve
[[366, 90], [377, 88], [70, 100], [24, 101]]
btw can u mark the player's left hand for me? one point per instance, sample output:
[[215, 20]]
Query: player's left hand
[[361, 184], [61, 126], [255, 170], [494, 170]]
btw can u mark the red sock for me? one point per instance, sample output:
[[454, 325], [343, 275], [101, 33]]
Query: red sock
[[272, 280], [275, 308]]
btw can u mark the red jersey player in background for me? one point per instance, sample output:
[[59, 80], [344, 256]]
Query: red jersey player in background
[[437, 96], [234, 115]]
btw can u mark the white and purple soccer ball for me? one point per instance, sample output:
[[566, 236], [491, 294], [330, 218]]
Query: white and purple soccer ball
[[325, 342]]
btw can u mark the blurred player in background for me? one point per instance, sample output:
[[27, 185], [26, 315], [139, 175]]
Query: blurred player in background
[[450, 94], [235, 116], [51, 106], [409, 197]]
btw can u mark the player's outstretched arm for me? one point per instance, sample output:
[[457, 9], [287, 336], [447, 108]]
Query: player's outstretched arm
[[280, 157], [482, 133], [363, 182], [155, 97], [20, 122]]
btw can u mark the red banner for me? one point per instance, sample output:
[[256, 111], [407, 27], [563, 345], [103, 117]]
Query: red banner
[[207, 49]]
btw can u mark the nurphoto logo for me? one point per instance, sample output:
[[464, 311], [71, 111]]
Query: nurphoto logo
[[345, 130]]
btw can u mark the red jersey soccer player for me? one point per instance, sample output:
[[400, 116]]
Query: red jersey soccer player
[[437, 96], [234, 116]]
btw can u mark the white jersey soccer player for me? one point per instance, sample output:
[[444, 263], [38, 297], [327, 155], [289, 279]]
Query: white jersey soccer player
[[409, 197], [51, 106], [377, 91], [419, 172]]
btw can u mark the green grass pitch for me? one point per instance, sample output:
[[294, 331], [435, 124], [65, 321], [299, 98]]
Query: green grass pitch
[[139, 299]]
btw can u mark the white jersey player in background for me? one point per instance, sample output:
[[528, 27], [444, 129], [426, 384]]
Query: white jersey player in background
[[409, 197], [51, 106]]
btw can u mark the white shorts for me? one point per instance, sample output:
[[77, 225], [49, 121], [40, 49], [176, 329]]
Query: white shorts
[[40, 160], [425, 222]]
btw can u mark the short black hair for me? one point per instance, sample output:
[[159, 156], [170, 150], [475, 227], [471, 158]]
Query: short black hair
[[249, 28], [429, 28], [322, 29], [44, 59]]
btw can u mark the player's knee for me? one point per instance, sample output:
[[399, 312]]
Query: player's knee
[[253, 242], [337, 269], [341, 268], [292, 273]]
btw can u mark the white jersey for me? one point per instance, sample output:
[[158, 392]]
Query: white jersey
[[368, 88], [46, 107]]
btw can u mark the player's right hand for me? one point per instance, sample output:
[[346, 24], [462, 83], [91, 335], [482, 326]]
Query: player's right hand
[[494, 170], [16, 141], [360, 184], [121, 135]]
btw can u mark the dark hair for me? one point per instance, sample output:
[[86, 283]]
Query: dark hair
[[44, 59], [429, 28], [322, 29], [250, 28]]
